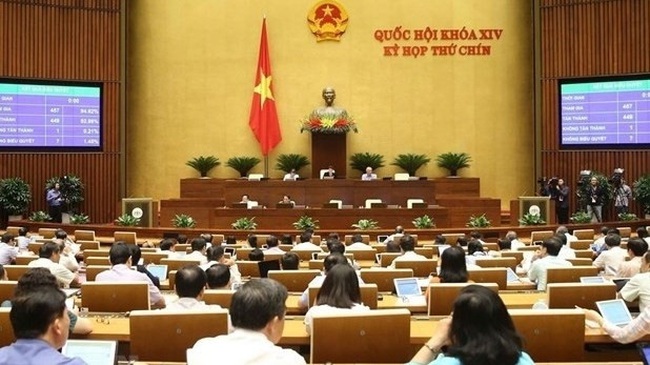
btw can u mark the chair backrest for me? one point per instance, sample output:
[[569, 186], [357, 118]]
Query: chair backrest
[[538, 326], [387, 258], [581, 244], [401, 176], [442, 296], [47, 233], [376, 336], [34, 247], [6, 330], [95, 253], [171, 276], [368, 294], [568, 295], [316, 265], [101, 260], [128, 237], [369, 202], [531, 248], [450, 238], [273, 256], [304, 255], [242, 253], [248, 269], [84, 235], [175, 332], [569, 274], [322, 255], [540, 235], [585, 254], [294, 280], [221, 297], [255, 177], [498, 275], [24, 260], [175, 264], [518, 255], [7, 289], [14, 272], [384, 277], [425, 251], [12, 230], [510, 262], [410, 202], [114, 296], [364, 237], [625, 231], [363, 255], [421, 268], [153, 257], [584, 234], [581, 261], [93, 270], [88, 245]]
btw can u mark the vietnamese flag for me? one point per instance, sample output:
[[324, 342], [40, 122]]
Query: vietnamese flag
[[264, 118]]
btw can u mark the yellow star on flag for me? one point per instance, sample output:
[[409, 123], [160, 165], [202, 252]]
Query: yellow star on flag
[[264, 88]]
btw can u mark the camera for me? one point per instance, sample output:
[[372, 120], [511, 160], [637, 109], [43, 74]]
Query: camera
[[616, 178], [585, 176]]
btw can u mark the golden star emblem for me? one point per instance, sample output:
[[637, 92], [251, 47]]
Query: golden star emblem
[[264, 88], [328, 10]]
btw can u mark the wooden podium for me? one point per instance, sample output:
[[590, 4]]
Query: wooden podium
[[522, 206], [144, 208], [326, 150]]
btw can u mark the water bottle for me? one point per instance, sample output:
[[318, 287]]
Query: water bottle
[[540, 304]]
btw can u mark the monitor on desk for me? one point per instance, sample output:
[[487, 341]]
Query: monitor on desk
[[91, 351], [239, 205], [266, 266], [331, 205], [284, 205], [159, 271]]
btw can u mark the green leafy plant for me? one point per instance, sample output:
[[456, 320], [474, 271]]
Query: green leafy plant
[[424, 222], [40, 216], [79, 219], [203, 164], [244, 223], [242, 164], [359, 161], [584, 195], [15, 196], [580, 217], [72, 190], [127, 220], [531, 220], [292, 161], [453, 161], [183, 221], [410, 162], [627, 217], [305, 222], [365, 224], [478, 222], [642, 192]]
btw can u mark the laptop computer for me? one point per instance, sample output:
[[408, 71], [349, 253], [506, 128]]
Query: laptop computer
[[381, 238], [511, 276], [159, 271], [409, 292], [592, 280], [614, 311], [265, 266], [230, 250], [91, 351]]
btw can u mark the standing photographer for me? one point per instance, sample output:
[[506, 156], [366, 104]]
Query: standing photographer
[[595, 200], [622, 193], [561, 197]]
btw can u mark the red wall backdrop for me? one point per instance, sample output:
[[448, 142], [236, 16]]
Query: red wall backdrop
[[586, 38], [67, 40]]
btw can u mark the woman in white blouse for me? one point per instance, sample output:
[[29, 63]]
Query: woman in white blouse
[[639, 327], [339, 293]]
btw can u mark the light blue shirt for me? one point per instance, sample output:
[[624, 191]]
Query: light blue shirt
[[524, 359], [35, 352]]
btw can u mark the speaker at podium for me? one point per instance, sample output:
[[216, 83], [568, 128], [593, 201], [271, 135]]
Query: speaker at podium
[[146, 209]]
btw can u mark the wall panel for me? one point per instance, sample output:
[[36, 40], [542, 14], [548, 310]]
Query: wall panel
[[586, 38], [67, 40]]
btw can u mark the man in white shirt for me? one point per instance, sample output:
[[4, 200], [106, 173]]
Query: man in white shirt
[[257, 311], [566, 252], [407, 246], [168, 246], [565, 231], [638, 287], [642, 233], [357, 244], [515, 243], [305, 244], [216, 256], [291, 176], [610, 259], [368, 175], [599, 244], [73, 247], [190, 285], [22, 239], [399, 232], [547, 258], [636, 248], [8, 249], [67, 258], [49, 256], [198, 251], [273, 246]]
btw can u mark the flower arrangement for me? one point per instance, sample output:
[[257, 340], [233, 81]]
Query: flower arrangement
[[331, 123]]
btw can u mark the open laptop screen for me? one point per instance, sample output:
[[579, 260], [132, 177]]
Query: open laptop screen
[[592, 279], [406, 287], [91, 351], [614, 311], [265, 266], [159, 271]]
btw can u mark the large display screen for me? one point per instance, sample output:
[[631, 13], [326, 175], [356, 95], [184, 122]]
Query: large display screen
[[605, 113], [49, 115]]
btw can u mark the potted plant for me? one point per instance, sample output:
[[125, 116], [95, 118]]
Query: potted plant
[[580, 217], [292, 161], [359, 161], [478, 222], [203, 164], [72, 190], [15, 197], [127, 220], [244, 223], [183, 221], [627, 217], [410, 162], [305, 222], [40, 216], [328, 123], [79, 219], [365, 224], [531, 220], [424, 222], [242, 164], [453, 161], [642, 193]]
